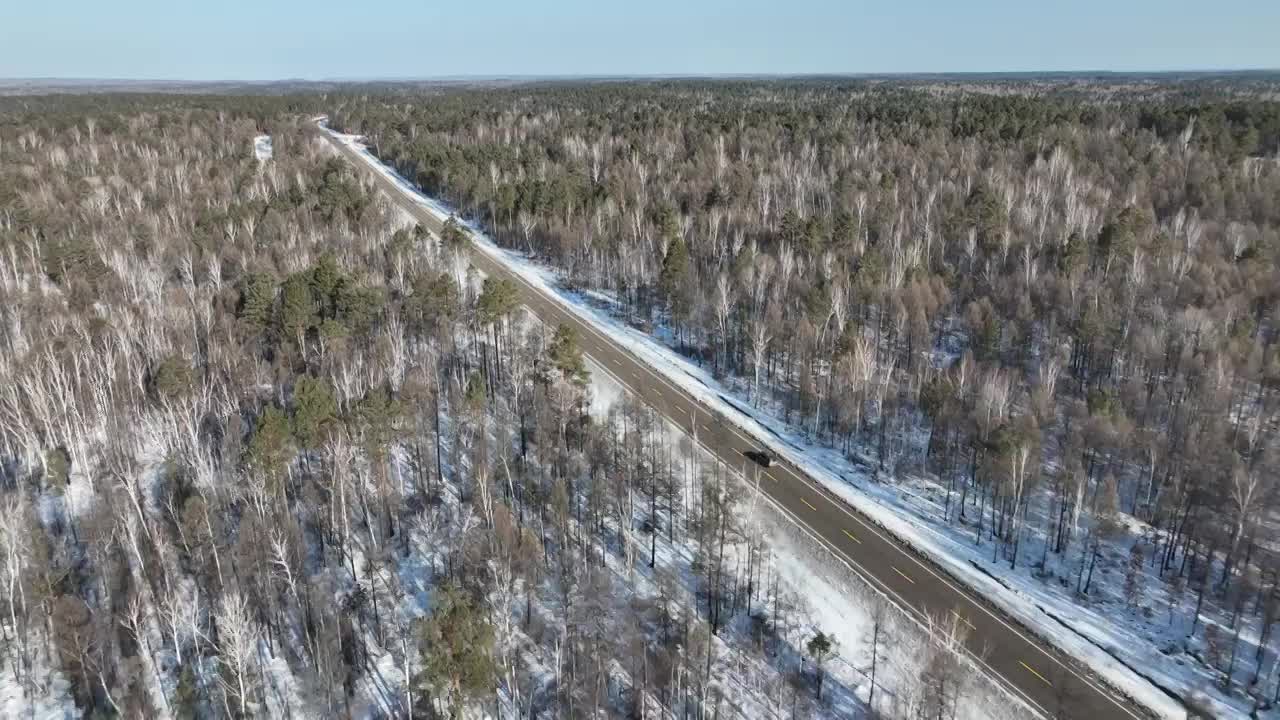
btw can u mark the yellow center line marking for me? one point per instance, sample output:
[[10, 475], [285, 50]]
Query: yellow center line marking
[[811, 507], [1033, 672], [852, 537], [964, 620], [904, 575]]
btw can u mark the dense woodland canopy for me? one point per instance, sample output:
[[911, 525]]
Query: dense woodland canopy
[[1059, 293], [1113, 264], [266, 448]]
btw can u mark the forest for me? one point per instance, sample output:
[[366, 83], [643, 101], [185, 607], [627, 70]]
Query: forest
[[1054, 306], [268, 448]]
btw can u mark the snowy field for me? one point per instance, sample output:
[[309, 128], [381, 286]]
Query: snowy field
[[1115, 651]]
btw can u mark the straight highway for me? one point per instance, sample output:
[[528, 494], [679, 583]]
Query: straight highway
[[1054, 684]]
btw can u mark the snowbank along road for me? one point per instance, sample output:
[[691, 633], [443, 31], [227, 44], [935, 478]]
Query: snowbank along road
[[1036, 672]]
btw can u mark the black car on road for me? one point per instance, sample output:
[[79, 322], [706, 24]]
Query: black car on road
[[761, 457]]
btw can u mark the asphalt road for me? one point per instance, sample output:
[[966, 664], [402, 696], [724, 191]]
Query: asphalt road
[[1042, 676]]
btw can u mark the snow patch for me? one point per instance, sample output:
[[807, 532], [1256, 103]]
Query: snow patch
[[262, 148]]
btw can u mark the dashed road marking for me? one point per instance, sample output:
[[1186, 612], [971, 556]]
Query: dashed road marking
[[904, 575], [1033, 672], [963, 619], [811, 507], [852, 537]]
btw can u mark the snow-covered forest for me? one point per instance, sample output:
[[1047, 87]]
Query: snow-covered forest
[[1037, 318], [268, 449]]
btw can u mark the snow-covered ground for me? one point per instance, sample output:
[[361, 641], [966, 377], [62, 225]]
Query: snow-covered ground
[[830, 597], [49, 698], [1090, 634], [1132, 656], [262, 148]]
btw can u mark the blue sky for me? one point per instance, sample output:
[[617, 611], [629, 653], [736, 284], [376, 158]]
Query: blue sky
[[272, 39]]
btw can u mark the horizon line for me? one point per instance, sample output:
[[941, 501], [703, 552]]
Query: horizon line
[[642, 76]]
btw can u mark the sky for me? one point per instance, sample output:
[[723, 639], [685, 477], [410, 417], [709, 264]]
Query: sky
[[279, 39]]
